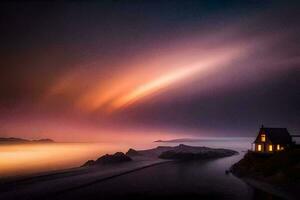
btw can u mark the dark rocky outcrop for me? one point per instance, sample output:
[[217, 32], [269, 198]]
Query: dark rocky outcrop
[[132, 152], [180, 152], [88, 163], [280, 170], [184, 152], [118, 157], [278, 167]]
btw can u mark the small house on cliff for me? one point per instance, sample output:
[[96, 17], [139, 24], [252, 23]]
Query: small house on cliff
[[270, 140]]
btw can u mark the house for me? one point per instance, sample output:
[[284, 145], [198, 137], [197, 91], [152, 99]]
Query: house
[[270, 140]]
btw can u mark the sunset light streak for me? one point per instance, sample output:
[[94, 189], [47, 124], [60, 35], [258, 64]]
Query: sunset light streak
[[119, 70], [141, 91]]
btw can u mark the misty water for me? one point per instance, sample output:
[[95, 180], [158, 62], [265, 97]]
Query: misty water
[[23, 159], [200, 178], [188, 180]]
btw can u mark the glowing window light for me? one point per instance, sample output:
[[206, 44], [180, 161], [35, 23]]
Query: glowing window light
[[263, 137], [270, 147], [259, 147], [278, 147]]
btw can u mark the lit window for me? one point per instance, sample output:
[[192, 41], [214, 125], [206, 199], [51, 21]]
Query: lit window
[[270, 147], [259, 147], [263, 137], [278, 147]]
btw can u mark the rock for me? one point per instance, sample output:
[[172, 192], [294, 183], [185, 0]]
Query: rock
[[88, 163], [270, 166], [118, 157], [132, 152], [184, 152]]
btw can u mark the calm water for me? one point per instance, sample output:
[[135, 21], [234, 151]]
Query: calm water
[[184, 180], [189, 180], [32, 158]]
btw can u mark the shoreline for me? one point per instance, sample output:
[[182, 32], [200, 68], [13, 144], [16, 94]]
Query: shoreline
[[271, 174], [108, 178], [69, 180], [265, 187], [268, 188]]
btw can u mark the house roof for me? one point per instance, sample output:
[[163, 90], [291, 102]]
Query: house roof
[[276, 135]]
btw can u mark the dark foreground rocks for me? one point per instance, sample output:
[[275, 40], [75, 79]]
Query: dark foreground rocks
[[280, 170], [278, 167]]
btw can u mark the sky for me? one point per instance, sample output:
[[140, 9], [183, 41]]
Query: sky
[[131, 70]]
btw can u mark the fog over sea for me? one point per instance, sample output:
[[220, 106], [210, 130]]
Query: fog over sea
[[24, 159]]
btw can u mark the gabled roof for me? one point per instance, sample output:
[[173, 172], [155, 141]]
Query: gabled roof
[[276, 135]]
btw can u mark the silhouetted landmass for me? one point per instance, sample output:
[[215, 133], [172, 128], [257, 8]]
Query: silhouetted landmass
[[280, 169], [184, 152], [183, 140], [272, 167], [47, 140], [13, 140], [180, 140], [118, 157], [132, 152]]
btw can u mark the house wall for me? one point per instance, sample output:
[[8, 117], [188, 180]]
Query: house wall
[[265, 147], [265, 144]]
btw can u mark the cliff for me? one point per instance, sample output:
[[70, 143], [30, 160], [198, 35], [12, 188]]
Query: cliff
[[118, 157], [281, 170]]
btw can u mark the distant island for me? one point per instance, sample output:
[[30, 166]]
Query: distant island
[[179, 140], [12, 140], [180, 152], [182, 140]]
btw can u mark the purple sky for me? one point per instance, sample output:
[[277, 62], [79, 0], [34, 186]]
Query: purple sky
[[97, 70]]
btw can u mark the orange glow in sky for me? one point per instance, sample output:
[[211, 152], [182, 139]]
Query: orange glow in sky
[[172, 77], [134, 83]]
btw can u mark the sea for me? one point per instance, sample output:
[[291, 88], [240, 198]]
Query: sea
[[185, 180], [26, 159]]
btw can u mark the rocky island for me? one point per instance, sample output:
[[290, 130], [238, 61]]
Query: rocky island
[[118, 157], [184, 152], [180, 152]]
